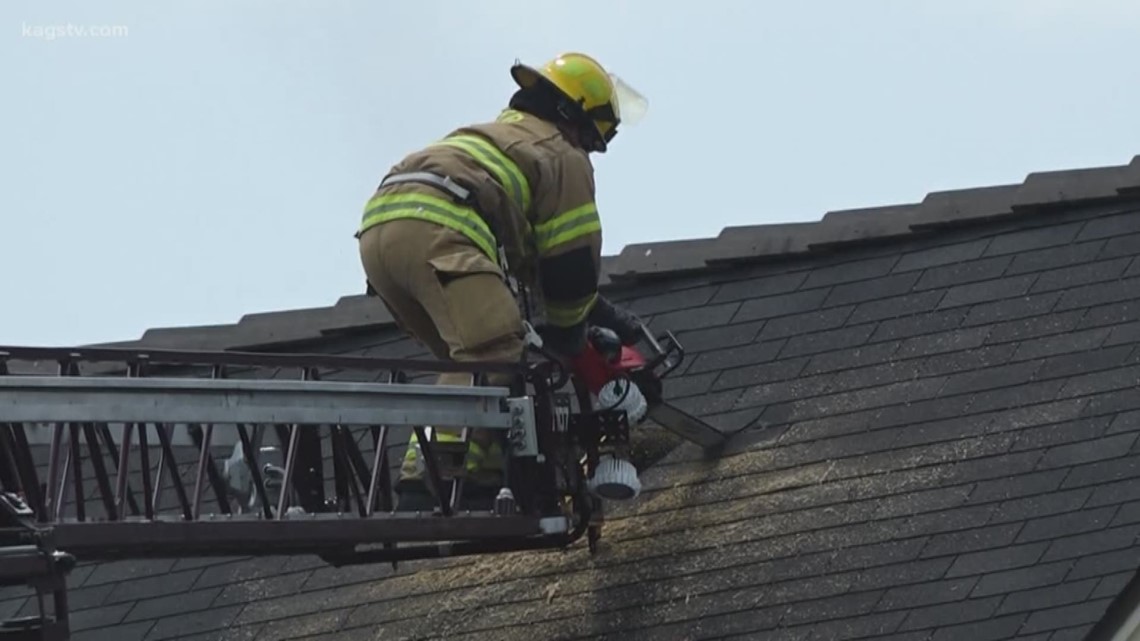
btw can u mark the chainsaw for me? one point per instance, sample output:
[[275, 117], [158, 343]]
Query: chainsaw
[[606, 360], [626, 386]]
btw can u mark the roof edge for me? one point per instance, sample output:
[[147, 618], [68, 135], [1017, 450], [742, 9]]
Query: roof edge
[[652, 261]]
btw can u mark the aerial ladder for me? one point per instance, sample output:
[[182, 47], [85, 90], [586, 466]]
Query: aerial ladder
[[94, 443]]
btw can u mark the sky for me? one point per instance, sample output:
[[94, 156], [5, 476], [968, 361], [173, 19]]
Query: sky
[[187, 162]]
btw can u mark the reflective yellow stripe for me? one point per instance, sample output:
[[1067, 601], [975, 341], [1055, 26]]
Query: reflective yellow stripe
[[566, 227], [477, 458], [443, 436], [571, 313], [497, 163], [385, 207], [510, 115]]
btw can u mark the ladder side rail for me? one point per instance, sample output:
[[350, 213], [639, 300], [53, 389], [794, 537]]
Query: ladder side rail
[[155, 357], [185, 400], [172, 537]]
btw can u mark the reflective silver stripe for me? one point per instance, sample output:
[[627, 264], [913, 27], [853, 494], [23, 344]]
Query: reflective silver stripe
[[443, 182]]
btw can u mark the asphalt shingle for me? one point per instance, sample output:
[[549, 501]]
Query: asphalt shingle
[[942, 445]]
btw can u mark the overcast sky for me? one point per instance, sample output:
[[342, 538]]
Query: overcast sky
[[212, 158]]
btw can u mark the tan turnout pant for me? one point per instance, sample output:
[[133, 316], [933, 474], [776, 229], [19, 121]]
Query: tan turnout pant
[[441, 289]]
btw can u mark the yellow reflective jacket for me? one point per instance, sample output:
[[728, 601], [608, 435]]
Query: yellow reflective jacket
[[532, 193]]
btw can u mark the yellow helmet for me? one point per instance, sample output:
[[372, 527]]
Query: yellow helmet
[[599, 98]]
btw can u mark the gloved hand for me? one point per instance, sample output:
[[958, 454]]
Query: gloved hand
[[623, 322], [566, 342]]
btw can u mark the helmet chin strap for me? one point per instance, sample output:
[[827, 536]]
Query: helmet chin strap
[[585, 131]]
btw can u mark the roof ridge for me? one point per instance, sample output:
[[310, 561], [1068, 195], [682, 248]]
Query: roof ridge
[[1040, 191]]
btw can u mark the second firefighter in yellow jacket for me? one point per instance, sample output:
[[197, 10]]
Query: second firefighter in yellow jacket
[[523, 184]]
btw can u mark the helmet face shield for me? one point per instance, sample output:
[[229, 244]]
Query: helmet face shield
[[630, 104]]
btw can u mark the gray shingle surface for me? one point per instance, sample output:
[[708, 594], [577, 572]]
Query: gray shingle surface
[[940, 441]]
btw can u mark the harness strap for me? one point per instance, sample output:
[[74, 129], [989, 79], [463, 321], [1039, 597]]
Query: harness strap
[[443, 182]]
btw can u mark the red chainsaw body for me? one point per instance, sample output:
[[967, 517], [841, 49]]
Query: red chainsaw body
[[595, 370], [595, 367]]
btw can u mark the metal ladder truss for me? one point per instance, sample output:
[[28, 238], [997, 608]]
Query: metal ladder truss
[[28, 558], [96, 441]]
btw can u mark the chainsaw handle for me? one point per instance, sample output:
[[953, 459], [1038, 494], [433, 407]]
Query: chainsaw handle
[[649, 338], [663, 355]]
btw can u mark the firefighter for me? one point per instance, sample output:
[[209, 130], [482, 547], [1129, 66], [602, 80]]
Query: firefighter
[[513, 197]]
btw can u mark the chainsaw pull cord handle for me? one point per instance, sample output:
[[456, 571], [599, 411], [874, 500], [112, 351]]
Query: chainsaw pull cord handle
[[607, 346], [624, 395]]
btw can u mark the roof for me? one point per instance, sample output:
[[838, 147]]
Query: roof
[[640, 264], [938, 439]]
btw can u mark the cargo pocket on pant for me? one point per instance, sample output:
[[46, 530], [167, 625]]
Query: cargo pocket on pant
[[481, 307]]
